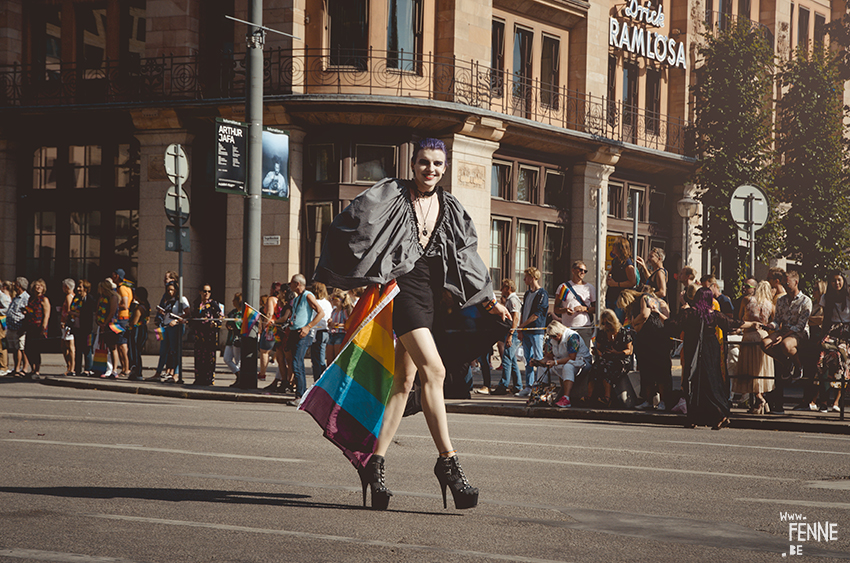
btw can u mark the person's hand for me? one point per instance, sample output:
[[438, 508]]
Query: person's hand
[[304, 332], [502, 311], [570, 311], [508, 340]]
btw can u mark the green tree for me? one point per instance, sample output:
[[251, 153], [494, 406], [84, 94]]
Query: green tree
[[733, 129], [812, 177]]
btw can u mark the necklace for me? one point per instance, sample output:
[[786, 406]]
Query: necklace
[[425, 215]]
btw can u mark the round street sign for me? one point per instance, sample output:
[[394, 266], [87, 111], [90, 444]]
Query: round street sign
[[176, 217], [739, 206], [176, 164]]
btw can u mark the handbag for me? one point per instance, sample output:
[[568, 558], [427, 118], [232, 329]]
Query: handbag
[[100, 363]]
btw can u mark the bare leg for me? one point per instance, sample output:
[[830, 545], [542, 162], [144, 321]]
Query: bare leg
[[416, 350]]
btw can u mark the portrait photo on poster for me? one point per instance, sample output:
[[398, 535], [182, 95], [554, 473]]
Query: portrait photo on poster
[[275, 163]]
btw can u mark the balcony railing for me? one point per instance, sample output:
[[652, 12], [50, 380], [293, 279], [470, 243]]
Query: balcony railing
[[172, 79], [724, 21]]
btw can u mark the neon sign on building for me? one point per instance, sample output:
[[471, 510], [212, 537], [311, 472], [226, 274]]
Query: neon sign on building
[[638, 39]]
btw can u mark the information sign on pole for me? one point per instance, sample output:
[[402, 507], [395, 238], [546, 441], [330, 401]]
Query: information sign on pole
[[171, 242], [750, 210], [230, 156]]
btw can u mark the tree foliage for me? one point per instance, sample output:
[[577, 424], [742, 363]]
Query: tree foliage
[[812, 179], [733, 128]]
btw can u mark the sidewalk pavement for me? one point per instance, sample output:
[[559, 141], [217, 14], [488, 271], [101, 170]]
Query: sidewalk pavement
[[506, 405]]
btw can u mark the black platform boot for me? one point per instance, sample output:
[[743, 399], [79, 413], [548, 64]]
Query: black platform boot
[[450, 474], [373, 475]]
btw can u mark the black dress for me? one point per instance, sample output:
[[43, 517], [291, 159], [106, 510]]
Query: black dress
[[707, 383]]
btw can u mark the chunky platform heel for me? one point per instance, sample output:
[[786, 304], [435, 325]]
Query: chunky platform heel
[[372, 474], [450, 475]]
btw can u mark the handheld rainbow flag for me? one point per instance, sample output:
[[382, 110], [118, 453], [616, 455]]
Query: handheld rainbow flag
[[3, 321], [250, 317], [561, 292], [116, 328], [159, 332], [349, 400]]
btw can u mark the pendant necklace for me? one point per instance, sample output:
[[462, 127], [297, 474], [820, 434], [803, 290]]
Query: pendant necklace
[[425, 215]]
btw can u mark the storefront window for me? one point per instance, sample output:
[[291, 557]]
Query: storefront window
[[404, 34], [349, 33], [84, 244], [374, 162]]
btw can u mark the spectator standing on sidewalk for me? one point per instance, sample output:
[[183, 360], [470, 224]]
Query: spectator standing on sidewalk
[[306, 314], [686, 277], [320, 338], [776, 279], [510, 365], [204, 318], [576, 299], [140, 312], [122, 318], [65, 335], [752, 361], [16, 336], [832, 362], [623, 274], [535, 305], [233, 344], [82, 326], [5, 301], [342, 308], [170, 276], [790, 333], [36, 317], [107, 312]]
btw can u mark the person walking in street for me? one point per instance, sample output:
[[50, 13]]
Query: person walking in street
[[419, 235], [535, 306]]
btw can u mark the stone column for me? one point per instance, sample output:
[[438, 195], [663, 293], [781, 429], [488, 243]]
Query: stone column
[[8, 210], [590, 212], [468, 177]]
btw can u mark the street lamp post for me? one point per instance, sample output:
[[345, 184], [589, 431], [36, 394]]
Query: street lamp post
[[687, 208]]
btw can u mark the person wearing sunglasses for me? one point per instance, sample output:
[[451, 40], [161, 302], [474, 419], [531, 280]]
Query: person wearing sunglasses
[[576, 299], [205, 321]]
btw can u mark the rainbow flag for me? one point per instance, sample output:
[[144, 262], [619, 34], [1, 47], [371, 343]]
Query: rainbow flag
[[159, 332], [116, 328], [349, 400], [3, 321], [561, 292], [250, 317]]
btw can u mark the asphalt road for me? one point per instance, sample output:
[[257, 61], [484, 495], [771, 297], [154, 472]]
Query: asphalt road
[[91, 476]]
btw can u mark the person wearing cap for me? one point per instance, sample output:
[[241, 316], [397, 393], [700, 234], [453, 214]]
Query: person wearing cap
[[16, 338], [125, 299]]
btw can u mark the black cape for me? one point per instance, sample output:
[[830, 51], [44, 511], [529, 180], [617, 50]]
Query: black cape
[[374, 240]]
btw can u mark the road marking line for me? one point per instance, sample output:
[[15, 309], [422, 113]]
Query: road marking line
[[629, 467], [57, 556], [824, 437], [748, 446], [141, 403], [158, 450], [323, 537], [565, 446], [806, 503]]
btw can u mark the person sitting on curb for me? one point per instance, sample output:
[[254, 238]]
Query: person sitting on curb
[[568, 357]]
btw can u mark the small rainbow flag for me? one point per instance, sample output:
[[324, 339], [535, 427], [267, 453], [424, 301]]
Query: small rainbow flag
[[561, 292], [159, 332], [3, 321], [250, 317], [116, 328], [349, 400]]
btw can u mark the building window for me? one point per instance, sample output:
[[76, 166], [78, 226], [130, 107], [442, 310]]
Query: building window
[[85, 163], [526, 186], [41, 245], [555, 192], [657, 207], [500, 230], [550, 73], [133, 32], [709, 13], [724, 18], [612, 91], [497, 58], [553, 250], [744, 8], [500, 181], [91, 37], [322, 163], [630, 94], [127, 166], [803, 28], [348, 33], [319, 217], [127, 238], [374, 162], [84, 244], [526, 237], [635, 194], [615, 199], [523, 40], [820, 29], [653, 101], [47, 41], [44, 169], [404, 34]]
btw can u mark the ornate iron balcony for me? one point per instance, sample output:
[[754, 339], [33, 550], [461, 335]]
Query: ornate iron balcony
[[172, 79]]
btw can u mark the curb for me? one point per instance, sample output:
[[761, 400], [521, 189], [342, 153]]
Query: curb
[[462, 406]]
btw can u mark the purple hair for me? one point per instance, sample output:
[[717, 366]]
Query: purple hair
[[429, 143], [704, 304]]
